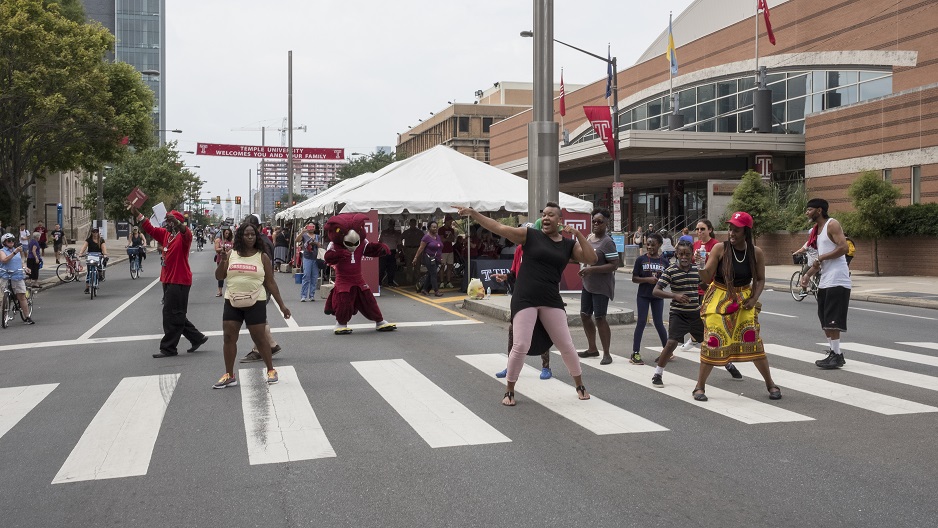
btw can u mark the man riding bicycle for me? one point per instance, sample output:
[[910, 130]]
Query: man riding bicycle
[[200, 236], [11, 262]]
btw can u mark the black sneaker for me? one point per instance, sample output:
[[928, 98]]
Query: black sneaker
[[587, 354], [731, 368], [29, 321], [656, 380], [197, 344], [832, 361]]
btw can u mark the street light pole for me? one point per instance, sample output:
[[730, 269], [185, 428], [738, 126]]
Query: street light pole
[[543, 135], [100, 201]]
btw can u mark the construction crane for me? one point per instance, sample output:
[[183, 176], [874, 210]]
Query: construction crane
[[260, 175]]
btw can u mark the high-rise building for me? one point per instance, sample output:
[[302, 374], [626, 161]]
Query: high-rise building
[[310, 178]]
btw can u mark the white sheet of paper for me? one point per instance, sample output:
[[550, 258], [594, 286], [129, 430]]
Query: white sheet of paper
[[159, 214]]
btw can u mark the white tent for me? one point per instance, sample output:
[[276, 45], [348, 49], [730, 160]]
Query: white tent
[[313, 206], [436, 179]]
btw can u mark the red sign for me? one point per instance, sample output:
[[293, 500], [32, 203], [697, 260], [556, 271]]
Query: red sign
[[269, 152], [764, 165], [601, 119]]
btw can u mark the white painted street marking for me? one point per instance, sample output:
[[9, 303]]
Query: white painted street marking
[[864, 399], [594, 414], [894, 313], [87, 335], [436, 416], [721, 401], [291, 322], [16, 402], [920, 344], [890, 353], [119, 440], [279, 422], [858, 367], [779, 314]]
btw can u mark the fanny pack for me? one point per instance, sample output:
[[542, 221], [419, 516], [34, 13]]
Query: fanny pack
[[244, 299]]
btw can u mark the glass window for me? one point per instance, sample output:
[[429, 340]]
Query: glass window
[[745, 121], [706, 110], [877, 88], [795, 127], [778, 91], [795, 109], [747, 83], [706, 92], [687, 98], [639, 113], [654, 108], [690, 115], [707, 126], [654, 123], [726, 88], [887, 175], [726, 124], [463, 123], [745, 99], [818, 83], [798, 86], [869, 75], [486, 124], [917, 184], [841, 96]]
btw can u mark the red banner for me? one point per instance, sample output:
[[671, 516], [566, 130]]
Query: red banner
[[601, 119], [269, 152]]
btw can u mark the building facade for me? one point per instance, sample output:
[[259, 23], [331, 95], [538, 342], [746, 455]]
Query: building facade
[[310, 178]]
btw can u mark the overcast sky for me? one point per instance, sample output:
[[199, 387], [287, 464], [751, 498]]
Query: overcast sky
[[364, 70]]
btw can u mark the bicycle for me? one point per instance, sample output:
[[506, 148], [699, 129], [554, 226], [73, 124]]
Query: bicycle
[[95, 265], [797, 292], [135, 255], [10, 305], [69, 270]]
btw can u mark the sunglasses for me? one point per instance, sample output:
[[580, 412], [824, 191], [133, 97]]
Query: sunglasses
[[700, 229], [599, 221]]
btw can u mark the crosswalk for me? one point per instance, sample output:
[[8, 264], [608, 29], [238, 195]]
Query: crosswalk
[[281, 425]]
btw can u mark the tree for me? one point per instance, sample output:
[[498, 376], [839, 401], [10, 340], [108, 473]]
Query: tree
[[70, 9], [371, 163], [298, 198], [757, 199], [875, 202], [62, 104]]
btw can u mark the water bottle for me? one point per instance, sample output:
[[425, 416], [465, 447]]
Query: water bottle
[[488, 292], [702, 255]]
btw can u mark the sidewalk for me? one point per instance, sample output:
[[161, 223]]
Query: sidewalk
[[48, 279]]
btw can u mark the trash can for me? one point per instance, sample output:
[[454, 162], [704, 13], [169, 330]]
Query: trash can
[[631, 254]]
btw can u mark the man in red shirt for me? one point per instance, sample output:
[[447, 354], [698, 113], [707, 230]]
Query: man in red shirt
[[176, 277], [41, 229], [448, 234]]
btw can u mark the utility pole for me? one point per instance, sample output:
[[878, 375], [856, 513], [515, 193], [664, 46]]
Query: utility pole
[[290, 127], [543, 135]]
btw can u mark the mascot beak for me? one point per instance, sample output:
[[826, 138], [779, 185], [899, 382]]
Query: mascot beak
[[351, 240]]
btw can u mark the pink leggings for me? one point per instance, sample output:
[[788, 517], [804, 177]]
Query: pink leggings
[[555, 321]]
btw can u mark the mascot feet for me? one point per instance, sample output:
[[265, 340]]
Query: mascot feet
[[342, 330], [384, 326]]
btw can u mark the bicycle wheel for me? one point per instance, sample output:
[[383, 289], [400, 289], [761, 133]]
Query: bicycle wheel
[[5, 309], [65, 273], [134, 268], [93, 282], [813, 287], [795, 287]]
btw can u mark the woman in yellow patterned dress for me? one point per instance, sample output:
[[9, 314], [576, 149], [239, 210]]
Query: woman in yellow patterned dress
[[730, 308]]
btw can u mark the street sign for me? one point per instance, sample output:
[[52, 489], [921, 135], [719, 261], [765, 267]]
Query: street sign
[[618, 189], [269, 152], [616, 215]]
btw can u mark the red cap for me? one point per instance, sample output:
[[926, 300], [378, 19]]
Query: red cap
[[741, 219], [178, 215]]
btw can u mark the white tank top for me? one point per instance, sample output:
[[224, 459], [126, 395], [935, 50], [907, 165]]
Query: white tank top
[[834, 272]]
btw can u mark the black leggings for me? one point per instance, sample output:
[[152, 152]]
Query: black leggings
[[641, 317], [432, 280]]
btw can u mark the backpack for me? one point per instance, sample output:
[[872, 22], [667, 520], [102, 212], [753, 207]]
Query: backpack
[[851, 247]]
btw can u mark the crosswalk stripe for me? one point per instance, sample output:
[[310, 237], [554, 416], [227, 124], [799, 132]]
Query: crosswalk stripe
[[279, 422], [436, 416], [594, 414], [119, 440], [930, 346], [722, 402], [890, 353], [822, 388], [16, 402], [858, 367]]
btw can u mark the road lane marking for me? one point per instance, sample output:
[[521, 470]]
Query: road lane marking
[[858, 367], [279, 422], [87, 335], [778, 314], [596, 415], [856, 397], [920, 344], [429, 302], [722, 402], [16, 402], [912, 357], [119, 440], [894, 313], [435, 415]]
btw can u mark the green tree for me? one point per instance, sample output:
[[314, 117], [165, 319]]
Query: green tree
[[298, 198], [62, 104], [371, 163], [757, 199], [70, 9], [875, 202]]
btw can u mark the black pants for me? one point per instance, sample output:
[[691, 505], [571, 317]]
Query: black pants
[[432, 280], [175, 323], [388, 266]]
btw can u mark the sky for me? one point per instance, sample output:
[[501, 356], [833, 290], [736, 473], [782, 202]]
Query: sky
[[365, 70]]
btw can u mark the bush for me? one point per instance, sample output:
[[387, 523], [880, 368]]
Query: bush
[[916, 220]]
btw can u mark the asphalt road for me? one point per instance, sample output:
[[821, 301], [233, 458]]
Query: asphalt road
[[94, 432]]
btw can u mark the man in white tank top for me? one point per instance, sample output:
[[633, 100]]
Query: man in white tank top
[[833, 296]]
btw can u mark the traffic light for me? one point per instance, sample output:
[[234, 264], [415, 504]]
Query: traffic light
[[278, 204], [237, 200]]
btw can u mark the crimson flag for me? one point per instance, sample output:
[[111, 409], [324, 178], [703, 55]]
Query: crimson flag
[[563, 97], [764, 6], [601, 119]]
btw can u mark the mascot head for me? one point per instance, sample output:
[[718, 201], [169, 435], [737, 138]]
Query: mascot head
[[346, 230]]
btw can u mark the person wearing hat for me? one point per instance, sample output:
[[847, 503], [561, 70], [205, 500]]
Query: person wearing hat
[[176, 276], [309, 239], [731, 306]]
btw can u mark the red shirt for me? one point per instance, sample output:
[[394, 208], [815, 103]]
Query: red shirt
[[444, 233], [175, 253]]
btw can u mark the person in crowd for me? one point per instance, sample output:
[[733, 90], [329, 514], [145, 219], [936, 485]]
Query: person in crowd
[[411, 238], [647, 233], [667, 246], [685, 236], [136, 240], [431, 252], [33, 259], [268, 248], [448, 235], [736, 273], [24, 238], [176, 277], [645, 273], [11, 262], [639, 240], [475, 241], [490, 248], [224, 242], [309, 241], [94, 244], [281, 247], [249, 272], [809, 249], [387, 265], [199, 234], [58, 240], [834, 287], [41, 229], [537, 293], [599, 285]]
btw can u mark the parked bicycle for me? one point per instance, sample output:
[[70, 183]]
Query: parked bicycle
[[95, 274], [797, 292], [135, 257], [69, 270], [10, 305]]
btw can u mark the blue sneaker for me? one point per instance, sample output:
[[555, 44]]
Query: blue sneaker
[[501, 374], [545, 373]]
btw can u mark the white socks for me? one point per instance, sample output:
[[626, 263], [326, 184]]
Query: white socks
[[835, 346], [659, 370]]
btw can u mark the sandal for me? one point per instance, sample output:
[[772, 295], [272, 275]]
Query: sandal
[[775, 393], [699, 397], [510, 396], [581, 392], [438, 294]]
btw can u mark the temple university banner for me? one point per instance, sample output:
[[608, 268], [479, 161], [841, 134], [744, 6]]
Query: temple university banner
[[601, 119]]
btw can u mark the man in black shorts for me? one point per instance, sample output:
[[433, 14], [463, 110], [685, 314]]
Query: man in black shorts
[[833, 294]]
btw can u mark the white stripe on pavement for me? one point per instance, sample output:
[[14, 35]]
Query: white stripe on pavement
[[858, 367], [864, 399], [279, 422], [436, 416], [87, 335], [720, 401], [16, 402], [778, 314], [119, 440], [894, 313], [912, 357], [594, 414], [920, 344]]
